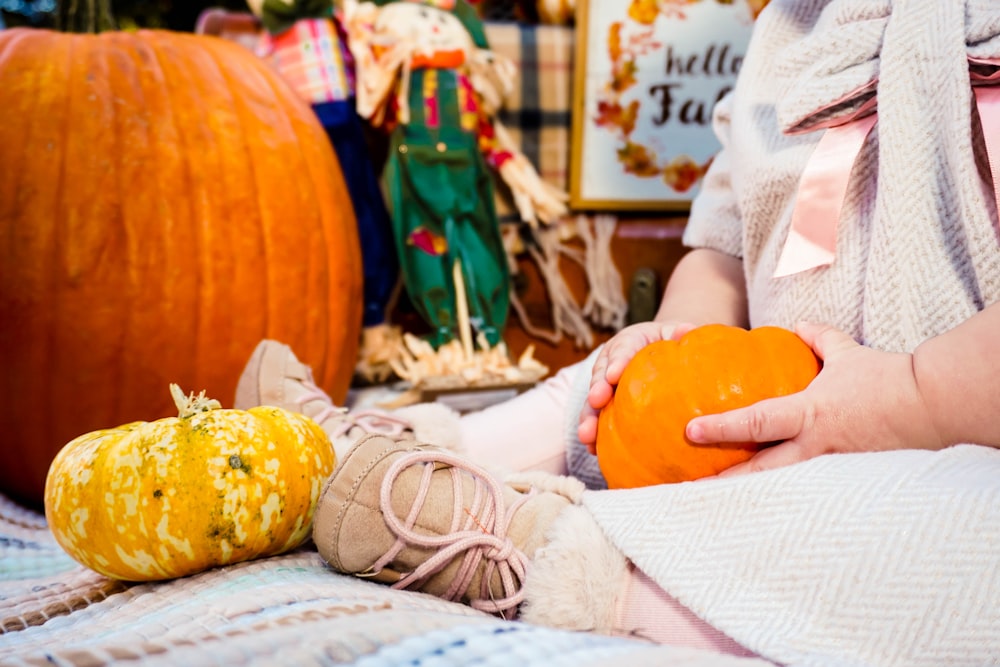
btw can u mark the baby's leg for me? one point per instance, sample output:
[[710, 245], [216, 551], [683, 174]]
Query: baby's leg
[[581, 581], [530, 431]]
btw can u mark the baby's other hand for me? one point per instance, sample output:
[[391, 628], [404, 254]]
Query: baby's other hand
[[610, 364], [862, 400]]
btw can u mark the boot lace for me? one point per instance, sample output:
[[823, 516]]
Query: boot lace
[[369, 421], [479, 531]]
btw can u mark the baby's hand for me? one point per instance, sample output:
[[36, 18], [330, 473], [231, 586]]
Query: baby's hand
[[862, 400], [610, 364]]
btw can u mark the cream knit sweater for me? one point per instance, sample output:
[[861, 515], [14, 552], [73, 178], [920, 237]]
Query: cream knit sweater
[[918, 248]]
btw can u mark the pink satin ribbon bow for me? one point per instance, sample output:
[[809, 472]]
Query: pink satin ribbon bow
[[812, 236]]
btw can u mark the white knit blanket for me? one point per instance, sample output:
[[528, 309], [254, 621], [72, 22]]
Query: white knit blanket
[[877, 559]]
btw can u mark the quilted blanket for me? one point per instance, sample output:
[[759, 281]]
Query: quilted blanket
[[285, 610]]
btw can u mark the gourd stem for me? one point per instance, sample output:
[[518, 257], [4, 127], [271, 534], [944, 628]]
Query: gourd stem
[[94, 17], [188, 406]]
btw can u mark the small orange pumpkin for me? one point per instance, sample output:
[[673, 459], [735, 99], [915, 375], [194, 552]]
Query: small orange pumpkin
[[711, 369]]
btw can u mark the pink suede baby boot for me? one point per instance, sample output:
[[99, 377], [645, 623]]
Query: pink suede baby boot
[[421, 518]]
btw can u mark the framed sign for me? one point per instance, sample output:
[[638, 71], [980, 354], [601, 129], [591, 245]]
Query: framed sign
[[648, 73]]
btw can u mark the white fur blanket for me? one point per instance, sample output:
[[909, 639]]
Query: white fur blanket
[[858, 559]]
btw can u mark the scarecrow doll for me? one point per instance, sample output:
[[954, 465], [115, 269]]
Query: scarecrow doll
[[306, 43], [425, 76]]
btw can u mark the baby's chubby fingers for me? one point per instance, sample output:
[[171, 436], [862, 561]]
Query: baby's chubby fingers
[[598, 395], [615, 356], [609, 365], [778, 456], [771, 420], [676, 332], [824, 339], [600, 388], [587, 429], [774, 419]]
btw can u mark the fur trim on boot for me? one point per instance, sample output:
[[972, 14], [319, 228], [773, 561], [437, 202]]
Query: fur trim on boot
[[577, 578], [568, 487], [434, 423]]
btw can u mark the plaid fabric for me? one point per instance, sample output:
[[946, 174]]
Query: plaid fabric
[[313, 58], [537, 113]]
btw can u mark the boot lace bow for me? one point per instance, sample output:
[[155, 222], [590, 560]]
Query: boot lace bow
[[479, 531]]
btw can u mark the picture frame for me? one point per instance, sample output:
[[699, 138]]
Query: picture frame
[[647, 75]]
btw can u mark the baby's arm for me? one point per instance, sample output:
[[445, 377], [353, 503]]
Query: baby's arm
[[707, 286], [958, 375], [946, 392]]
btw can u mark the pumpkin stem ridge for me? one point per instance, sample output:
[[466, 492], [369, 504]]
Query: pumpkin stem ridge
[[188, 406]]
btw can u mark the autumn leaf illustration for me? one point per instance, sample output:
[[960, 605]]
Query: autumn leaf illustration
[[623, 77], [638, 160], [611, 114], [644, 11], [682, 173], [756, 7], [615, 41]]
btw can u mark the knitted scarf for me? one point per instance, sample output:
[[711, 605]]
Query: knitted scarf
[[935, 202]]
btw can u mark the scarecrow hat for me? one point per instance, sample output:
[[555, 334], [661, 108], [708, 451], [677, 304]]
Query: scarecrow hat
[[462, 10], [277, 16]]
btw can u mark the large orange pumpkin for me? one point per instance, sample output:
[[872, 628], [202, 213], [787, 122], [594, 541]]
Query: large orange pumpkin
[[166, 201], [711, 369]]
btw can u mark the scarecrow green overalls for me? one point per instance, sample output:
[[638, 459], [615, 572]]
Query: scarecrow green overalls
[[441, 201]]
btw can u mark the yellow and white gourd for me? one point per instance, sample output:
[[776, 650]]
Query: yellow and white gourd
[[164, 499]]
